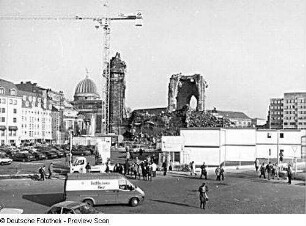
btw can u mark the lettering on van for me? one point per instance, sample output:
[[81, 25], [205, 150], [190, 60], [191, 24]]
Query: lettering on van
[[99, 182], [91, 185]]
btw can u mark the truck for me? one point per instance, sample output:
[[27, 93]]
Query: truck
[[79, 166], [102, 189]]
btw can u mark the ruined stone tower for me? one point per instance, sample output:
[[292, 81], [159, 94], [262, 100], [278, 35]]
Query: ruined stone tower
[[117, 94], [183, 87]]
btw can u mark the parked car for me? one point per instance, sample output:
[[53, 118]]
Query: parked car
[[38, 155], [64, 151], [49, 154], [23, 157], [4, 159], [58, 153], [71, 207]]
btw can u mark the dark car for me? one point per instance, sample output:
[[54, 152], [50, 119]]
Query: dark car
[[23, 157], [62, 150], [38, 155], [71, 207], [58, 153], [49, 154]]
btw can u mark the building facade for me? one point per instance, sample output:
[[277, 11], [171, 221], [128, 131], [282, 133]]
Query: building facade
[[276, 113], [36, 118], [215, 146], [10, 114], [295, 110], [238, 119]]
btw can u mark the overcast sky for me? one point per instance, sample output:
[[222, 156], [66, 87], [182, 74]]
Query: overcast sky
[[248, 51]]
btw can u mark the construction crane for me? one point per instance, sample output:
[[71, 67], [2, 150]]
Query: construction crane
[[104, 22]]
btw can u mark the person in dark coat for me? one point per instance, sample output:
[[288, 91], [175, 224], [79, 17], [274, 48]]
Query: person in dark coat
[[50, 170], [221, 173], [88, 167], [289, 174], [164, 165], [203, 189], [262, 171], [203, 171], [269, 169]]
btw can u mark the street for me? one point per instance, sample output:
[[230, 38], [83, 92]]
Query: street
[[175, 193]]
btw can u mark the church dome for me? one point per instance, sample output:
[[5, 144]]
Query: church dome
[[86, 90]]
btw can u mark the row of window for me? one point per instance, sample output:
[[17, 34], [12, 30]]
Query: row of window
[[12, 92], [2, 119], [276, 101], [36, 112], [281, 135], [302, 100], [2, 110], [11, 133]]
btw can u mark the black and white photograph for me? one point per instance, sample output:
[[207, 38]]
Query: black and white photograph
[[152, 112]]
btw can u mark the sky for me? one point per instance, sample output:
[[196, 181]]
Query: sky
[[248, 51]]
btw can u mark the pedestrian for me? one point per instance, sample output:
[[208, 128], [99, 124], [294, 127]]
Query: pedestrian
[[88, 167], [277, 171], [171, 166], [154, 168], [126, 167], [50, 170], [217, 172], [203, 189], [268, 169], [262, 170], [222, 173], [289, 173], [107, 168], [192, 168], [256, 164], [41, 172], [127, 151], [203, 171], [273, 169], [149, 172], [144, 171], [164, 165]]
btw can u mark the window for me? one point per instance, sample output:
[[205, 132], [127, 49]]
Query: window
[[2, 133], [13, 92], [281, 135], [3, 110], [268, 135], [14, 120], [2, 119], [2, 90], [11, 101], [15, 111]]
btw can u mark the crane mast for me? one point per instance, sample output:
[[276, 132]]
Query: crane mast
[[104, 23]]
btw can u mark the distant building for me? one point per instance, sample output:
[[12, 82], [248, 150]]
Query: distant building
[[53, 102], [36, 121], [89, 106], [288, 112], [258, 122], [238, 119], [276, 113], [10, 114], [295, 110]]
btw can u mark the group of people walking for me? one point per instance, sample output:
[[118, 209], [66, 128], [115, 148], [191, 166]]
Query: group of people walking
[[272, 170], [43, 174]]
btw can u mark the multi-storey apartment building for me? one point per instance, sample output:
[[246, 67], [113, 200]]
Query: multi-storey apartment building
[[295, 110], [36, 121], [10, 114], [276, 113]]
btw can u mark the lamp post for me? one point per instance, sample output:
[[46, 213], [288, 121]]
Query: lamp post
[[70, 149]]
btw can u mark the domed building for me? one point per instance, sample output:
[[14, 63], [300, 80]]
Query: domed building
[[89, 105]]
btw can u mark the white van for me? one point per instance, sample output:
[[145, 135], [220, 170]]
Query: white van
[[102, 188]]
